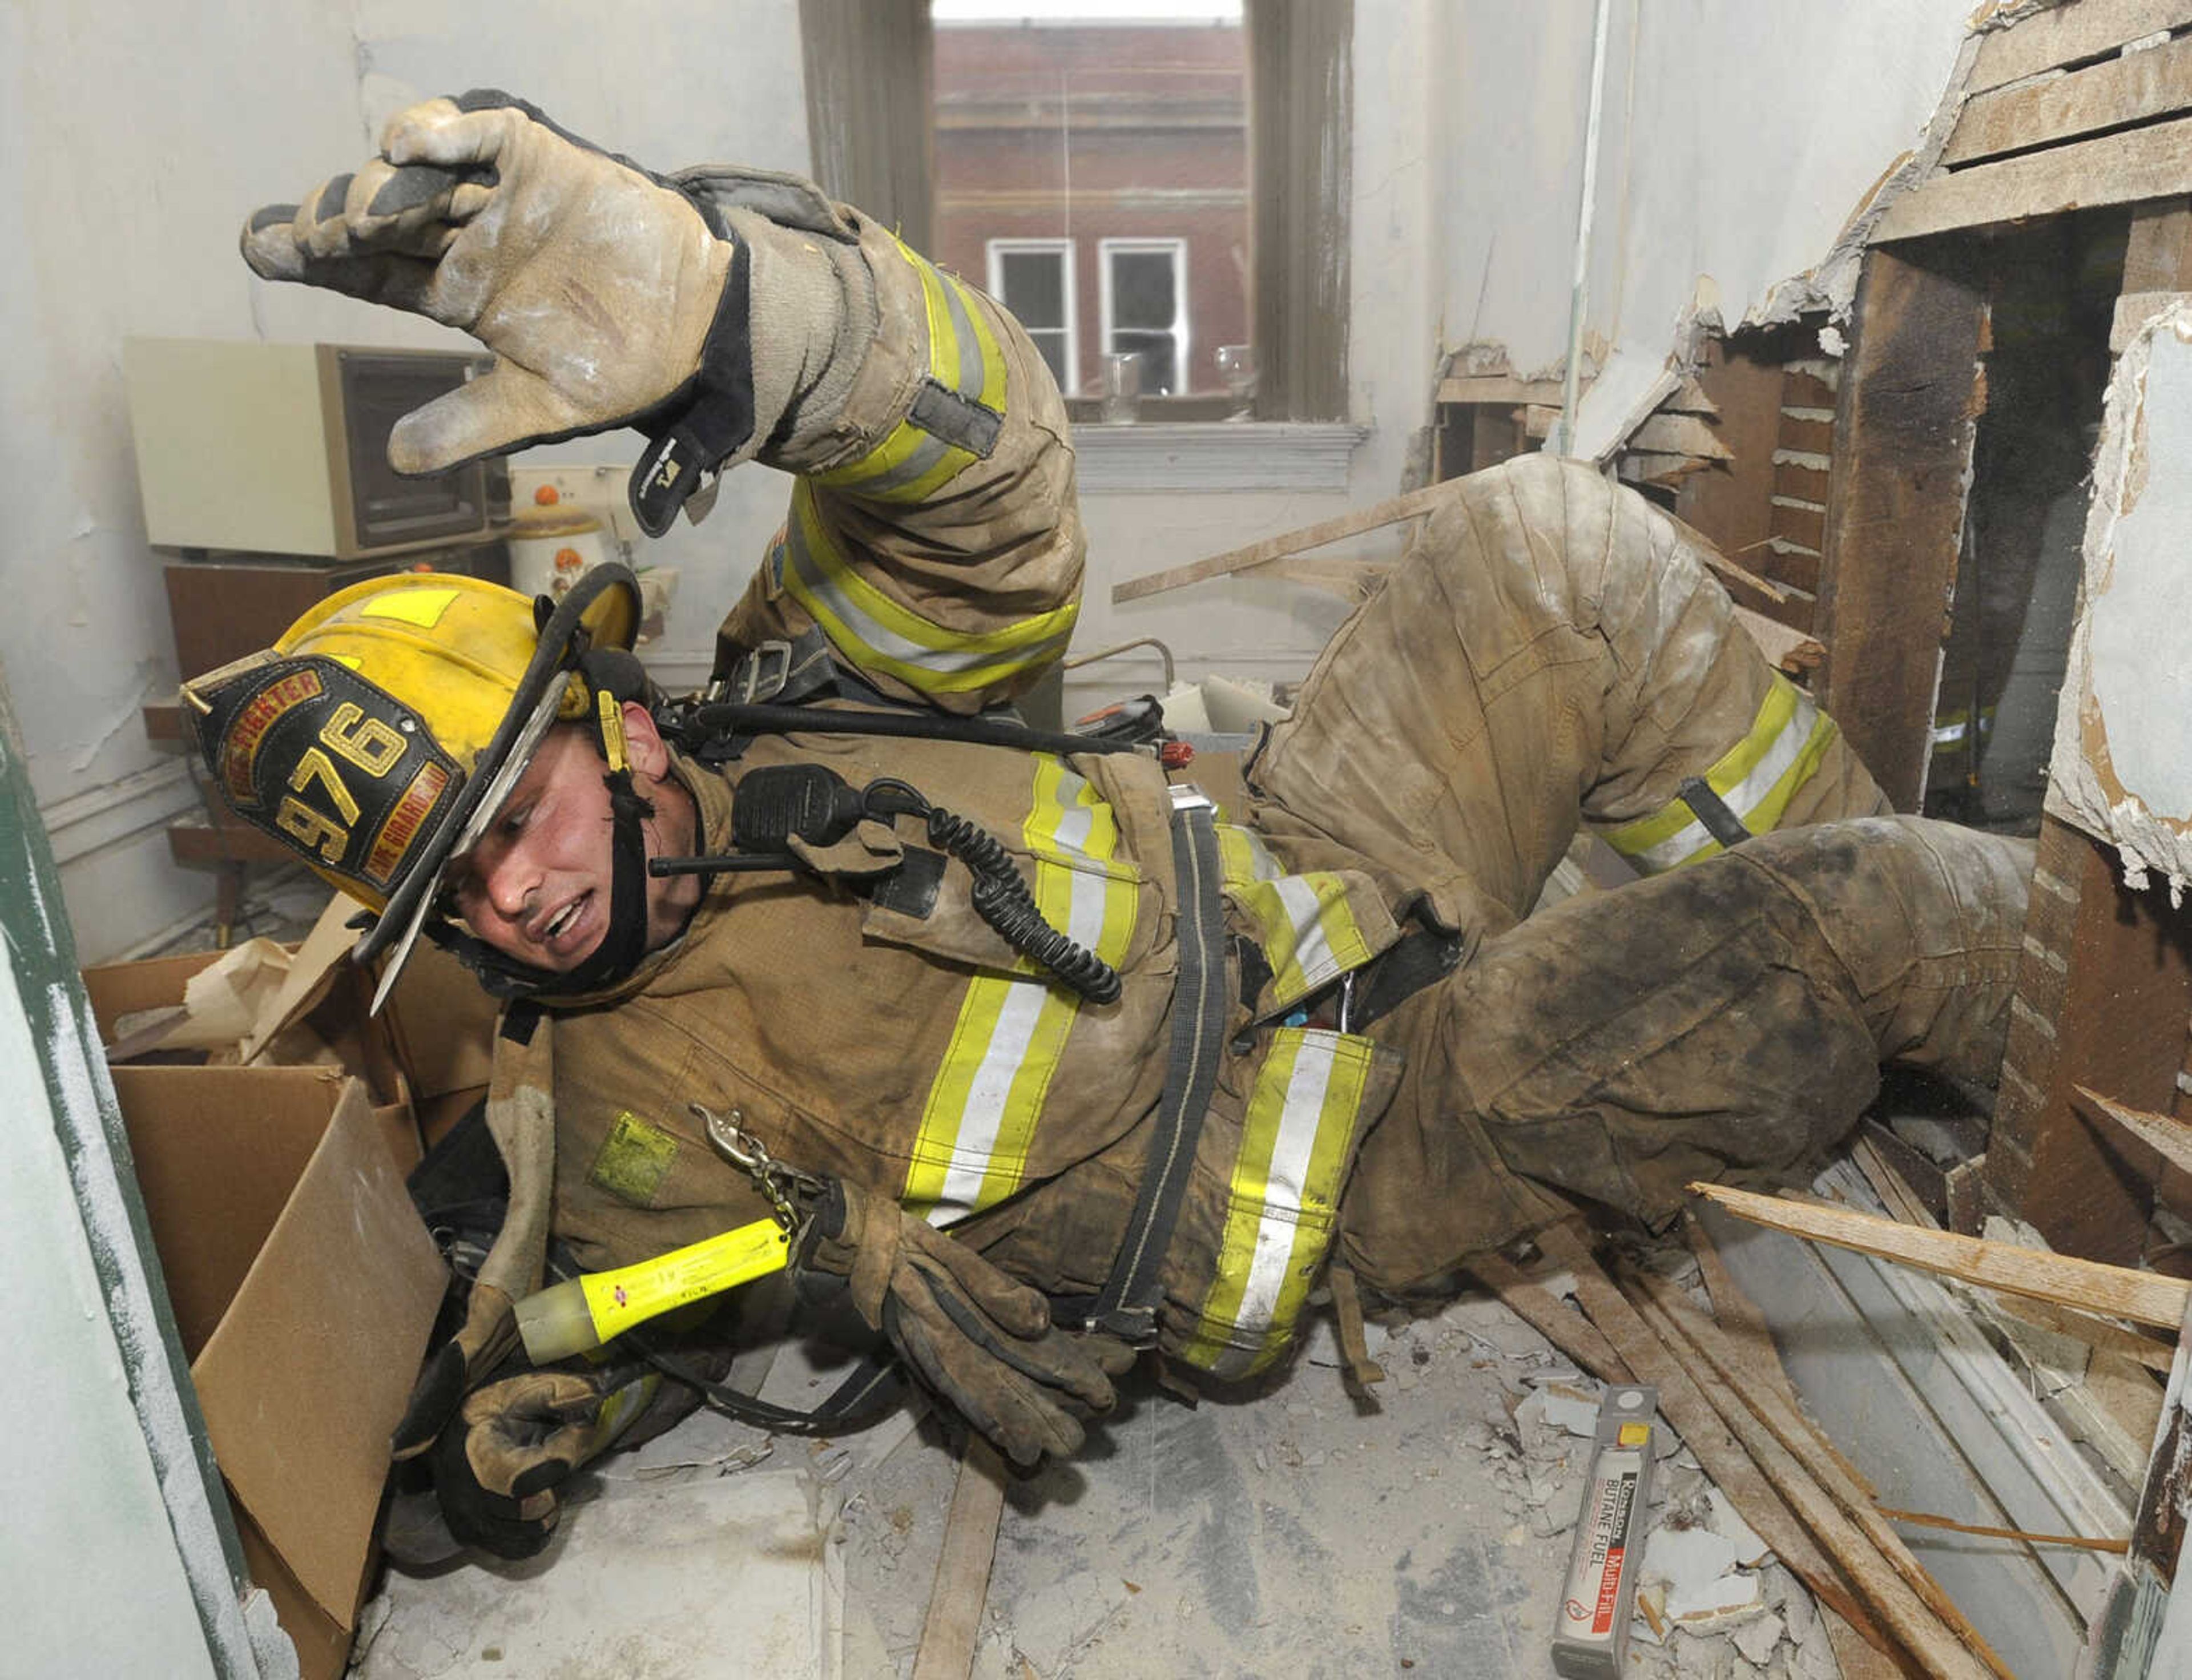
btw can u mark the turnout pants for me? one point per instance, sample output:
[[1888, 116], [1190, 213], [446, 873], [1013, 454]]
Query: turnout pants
[[1553, 652]]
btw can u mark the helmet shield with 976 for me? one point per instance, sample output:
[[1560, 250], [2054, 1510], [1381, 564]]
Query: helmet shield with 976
[[379, 728]]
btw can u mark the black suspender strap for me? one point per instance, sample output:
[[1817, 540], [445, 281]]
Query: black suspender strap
[[1127, 1305]]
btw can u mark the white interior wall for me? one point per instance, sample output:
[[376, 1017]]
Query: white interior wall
[[1738, 141], [85, 1495]]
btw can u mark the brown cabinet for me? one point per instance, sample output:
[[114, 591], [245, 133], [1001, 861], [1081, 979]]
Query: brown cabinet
[[225, 608]]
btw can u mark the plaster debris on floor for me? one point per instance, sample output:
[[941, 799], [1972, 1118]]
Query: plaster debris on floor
[[1289, 1531]]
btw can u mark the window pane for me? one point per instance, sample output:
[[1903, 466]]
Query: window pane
[[1052, 344], [1035, 287], [1142, 289], [1054, 126], [1160, 363]]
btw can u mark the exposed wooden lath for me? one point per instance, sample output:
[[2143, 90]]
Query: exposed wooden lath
[[2082, 104]]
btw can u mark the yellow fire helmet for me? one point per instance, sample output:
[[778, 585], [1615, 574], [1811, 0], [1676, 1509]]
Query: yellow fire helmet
[[381, 734]]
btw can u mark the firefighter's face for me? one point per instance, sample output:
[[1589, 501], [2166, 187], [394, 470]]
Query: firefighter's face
[[538, 885]]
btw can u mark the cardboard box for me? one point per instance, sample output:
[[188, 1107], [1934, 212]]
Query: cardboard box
[[441, 1022], [304, 1287]]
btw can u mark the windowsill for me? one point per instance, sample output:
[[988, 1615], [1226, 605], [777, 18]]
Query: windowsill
[[1143, 457]]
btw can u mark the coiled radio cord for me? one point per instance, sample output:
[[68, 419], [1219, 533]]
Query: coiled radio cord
[[1000, 894]]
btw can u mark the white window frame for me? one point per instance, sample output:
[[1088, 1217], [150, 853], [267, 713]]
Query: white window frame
[[998, 249], [1175, 248]]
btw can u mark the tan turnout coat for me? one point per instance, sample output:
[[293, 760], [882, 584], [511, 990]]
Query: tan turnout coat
[[1551, 649]]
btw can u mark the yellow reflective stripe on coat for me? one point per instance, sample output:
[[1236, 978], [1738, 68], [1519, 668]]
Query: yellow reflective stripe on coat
[[1755, 780], [1242, 856], [1282, 1199], [979, 1124], [1306, 929], [1305, 924], [911, 463], [876, 633]]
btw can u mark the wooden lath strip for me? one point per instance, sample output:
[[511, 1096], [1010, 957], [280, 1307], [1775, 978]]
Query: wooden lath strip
[[2116, 1291], [2150, 162], [2084, 29], [1387, 512], [1926, 1519], [1412, 506], [2133, 88], [1500, 390], [2171, 1138]]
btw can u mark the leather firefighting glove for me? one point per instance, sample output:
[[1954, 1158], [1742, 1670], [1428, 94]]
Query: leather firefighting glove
[[486, 1336], [609, 296], [513, 1442], [973, 1336]]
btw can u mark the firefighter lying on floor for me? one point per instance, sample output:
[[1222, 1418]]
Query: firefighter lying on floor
[[1057, 1066]]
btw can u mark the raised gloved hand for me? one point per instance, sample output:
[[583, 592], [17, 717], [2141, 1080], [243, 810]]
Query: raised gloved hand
[[595, 283], [497, 1466], [979, 1340]]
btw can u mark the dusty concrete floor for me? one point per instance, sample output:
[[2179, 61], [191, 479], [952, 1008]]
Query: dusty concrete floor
[[1286, 1534]]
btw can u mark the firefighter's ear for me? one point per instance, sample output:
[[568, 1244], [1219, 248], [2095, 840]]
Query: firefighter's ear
[[643, 742]]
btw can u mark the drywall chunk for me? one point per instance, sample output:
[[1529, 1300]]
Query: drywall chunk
[[1569, 1408], [1689, 1560], [1716, 1604], [1726, 1520], [1757, 1638]]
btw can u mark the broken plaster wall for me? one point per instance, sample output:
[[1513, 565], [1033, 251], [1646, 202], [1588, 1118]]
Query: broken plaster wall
[[1738, 144], [2122, 768]]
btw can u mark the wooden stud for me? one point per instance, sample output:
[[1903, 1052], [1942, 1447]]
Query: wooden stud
[[1390, 511], [2171, 1139], [2099, 1334], [1746, 1326], [1786, 647], [1902, 441], [2133, 311], [1678, 434], [1500, 388], [1572, 1333], [1926, 1519], [2158, 251]]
